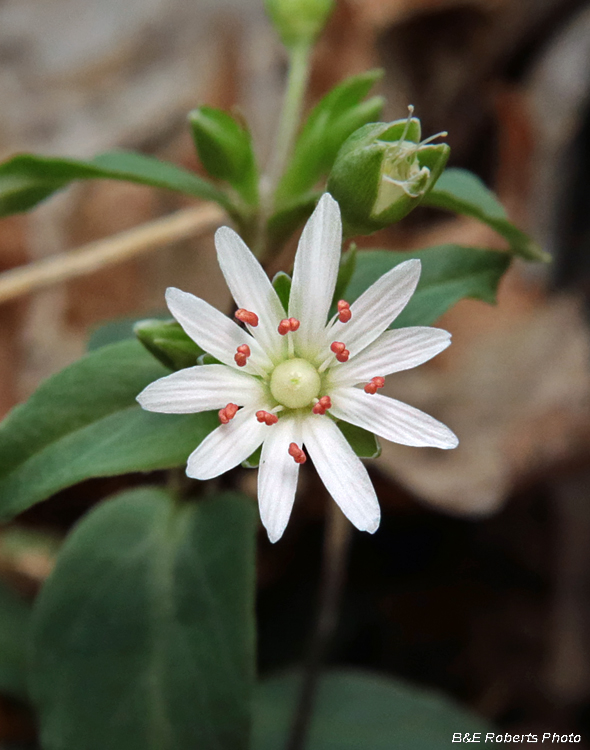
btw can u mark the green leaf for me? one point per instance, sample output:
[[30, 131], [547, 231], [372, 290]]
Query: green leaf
[[225, 150], [462, 192], [282, 286], [168, 343], [362, 442], [449, 273], [328, 125], [143, 635], [15, 615], [84, 422], [26, 179], [361, 711], [118, 329]]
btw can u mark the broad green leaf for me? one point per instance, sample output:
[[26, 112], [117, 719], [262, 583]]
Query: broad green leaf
[[449, 273], [15, 615], [361, 711], [143, 635], [26, 179], [462, 192], [118, 329], [84, 422], [328, 125]]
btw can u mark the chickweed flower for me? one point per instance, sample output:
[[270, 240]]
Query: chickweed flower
[[287, 376]]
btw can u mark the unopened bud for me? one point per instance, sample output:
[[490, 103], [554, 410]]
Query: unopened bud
[[299, 21], [383, 171], [166, 340]]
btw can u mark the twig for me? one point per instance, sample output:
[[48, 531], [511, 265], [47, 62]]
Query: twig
[[189, 222], [335, 554]]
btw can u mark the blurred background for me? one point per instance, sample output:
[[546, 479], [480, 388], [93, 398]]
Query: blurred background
[[478, 582]]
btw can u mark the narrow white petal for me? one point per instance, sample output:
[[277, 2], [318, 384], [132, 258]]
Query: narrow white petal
[[277, 477], [314, 274], [377, 307], [212, 330], [251, 289], [390, 419], [393, 351], [342, 472], [228, 445], [201, 388]]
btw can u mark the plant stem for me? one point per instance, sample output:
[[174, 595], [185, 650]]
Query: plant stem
[[335, 554], [291, 113]]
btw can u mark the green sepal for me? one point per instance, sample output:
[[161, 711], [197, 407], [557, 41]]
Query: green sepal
[[345, 272], [382, 173], [362, 442], [225, 149], [326, 128], [282, 286], [462, 192], [253, 461], [168, 342], [208, 359]]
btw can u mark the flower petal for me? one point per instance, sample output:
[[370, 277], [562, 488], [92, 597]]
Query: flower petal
[[277, 477], [377, 307], [390, 419], [201, 388], [342, 472], [251, 289], [228, 445], [213, 331], [314, 275], [393, 351]]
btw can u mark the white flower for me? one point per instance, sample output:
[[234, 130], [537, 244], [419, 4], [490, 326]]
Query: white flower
[[292, 373]]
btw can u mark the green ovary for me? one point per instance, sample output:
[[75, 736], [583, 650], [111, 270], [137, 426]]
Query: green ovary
[[295, 383]]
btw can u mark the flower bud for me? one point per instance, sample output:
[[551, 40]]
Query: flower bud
[[299, 21], [383, 171], [169, 344]]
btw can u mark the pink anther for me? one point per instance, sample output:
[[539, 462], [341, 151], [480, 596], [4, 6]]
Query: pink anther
[[298, 455], [245, 316], [322, 405], [344, 313], [337, 347], [374, 384], [266, 417], [288, 324], [242, 354], [227, 413]]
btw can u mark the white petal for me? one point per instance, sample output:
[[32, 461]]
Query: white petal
[[228, 445], [314, 275], [251, 289], [390, 419], [393, 351], [342, 472], [277, 477], [201, 388], [377, 307], [212, 330]]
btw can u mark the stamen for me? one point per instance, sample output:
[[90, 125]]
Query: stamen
[[375, 383], [288, 324], [242, 354], [408, 122], [298, 455], [266, 417], [340, 350], [344, 313], [323, 404], [227, 413], [245, 316]]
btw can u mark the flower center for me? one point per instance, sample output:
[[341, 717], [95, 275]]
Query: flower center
[[295, 383]]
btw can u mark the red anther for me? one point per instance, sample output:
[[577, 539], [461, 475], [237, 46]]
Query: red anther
[[288, 324], [343, 355], [375, 383], [242, 354], [337, 347], [298, 455], [322, 405], [344, 314], [227, 413], [245, 316], [266, 417]]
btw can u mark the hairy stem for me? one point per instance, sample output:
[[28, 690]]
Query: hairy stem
[[335, 554]]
